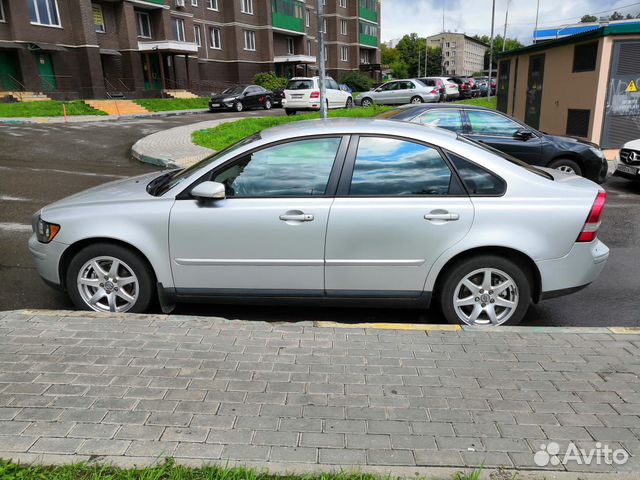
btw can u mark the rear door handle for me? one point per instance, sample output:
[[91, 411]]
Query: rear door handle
[[447, 217], [303, 217]]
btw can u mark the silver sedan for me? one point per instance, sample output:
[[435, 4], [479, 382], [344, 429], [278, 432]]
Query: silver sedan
[[360, 211], [400, 92]]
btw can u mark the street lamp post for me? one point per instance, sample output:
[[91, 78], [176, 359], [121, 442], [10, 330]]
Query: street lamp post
[[321, 67], [506, 20], [493, 17]]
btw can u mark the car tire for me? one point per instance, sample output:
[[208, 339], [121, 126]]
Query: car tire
[[566, 165], [267, 104], [289, 112], [417, 99], [464, 281], [366, 102], [84, 281], [349, 103], [238, 106]]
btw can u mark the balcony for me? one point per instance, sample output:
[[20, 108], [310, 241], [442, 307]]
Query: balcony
[[288, 15], [368, 10], [368, 40]]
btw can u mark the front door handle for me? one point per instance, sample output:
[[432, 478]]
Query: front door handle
[[447, 217], [301, 217]]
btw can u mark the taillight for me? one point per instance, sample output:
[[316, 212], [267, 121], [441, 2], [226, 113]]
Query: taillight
[[435, 90], [590, 230], [315, 95]]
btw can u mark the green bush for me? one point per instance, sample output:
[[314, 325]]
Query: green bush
[[269, 81], [356, 81]]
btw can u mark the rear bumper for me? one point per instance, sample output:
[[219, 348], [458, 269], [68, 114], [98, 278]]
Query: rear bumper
[[47, 259], [578, 268]]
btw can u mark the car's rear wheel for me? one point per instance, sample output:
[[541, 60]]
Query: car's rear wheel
[[366, 102], [267, 104], [485, 290], [109, 278], [238, 107], [288, 111], [349, 103], [566, 165], [417, 99]]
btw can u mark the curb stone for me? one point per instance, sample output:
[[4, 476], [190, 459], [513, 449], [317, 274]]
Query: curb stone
[[95, 118]]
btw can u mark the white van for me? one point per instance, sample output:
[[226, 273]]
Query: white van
[[303, 94]]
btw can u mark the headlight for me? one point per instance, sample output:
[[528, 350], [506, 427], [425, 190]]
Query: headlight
[[597, 152], [229, 99], [45, 231]]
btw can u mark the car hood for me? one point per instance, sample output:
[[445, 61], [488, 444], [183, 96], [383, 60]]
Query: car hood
[[220, 98], [569, 141], [633, 145], [128, 189]]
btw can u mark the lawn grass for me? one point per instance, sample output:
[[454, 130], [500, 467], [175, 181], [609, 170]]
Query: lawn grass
[[166, 104], [171, 471], [226, 134], [480, 102], [47, 108]]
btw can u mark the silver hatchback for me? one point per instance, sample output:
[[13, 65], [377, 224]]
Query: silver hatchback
[[330, 212]]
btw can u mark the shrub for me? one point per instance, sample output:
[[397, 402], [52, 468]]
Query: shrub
[[358, 82], [269, 81]]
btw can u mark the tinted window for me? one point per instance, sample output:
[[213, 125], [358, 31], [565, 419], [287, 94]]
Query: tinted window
[[300, 85], [294, 169], [391, 167], [389, 86], [442, 118], [332, 85], [407, 85], [488, 123], [476, 179], [233, 90]]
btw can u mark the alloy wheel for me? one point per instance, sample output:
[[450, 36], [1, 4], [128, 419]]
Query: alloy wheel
[[565, 169], [239, 106], [107, 284], [486, 296]]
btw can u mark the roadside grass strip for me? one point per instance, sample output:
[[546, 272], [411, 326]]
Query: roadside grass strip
[[47, 108], [166, 104], [226, 134]]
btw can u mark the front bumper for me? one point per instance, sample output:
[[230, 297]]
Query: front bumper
[[631, 172], [578, 268], [47, 259]]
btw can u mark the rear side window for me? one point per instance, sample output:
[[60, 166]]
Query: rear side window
[[477, 180], [390, 167], [300, 85]]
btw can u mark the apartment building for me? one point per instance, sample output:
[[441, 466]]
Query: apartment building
[[461, 54], [92, 48]]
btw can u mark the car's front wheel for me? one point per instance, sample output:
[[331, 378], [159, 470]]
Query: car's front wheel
[[109, 278], [238, 106], [566, 165], [349, 103], [485, 290]]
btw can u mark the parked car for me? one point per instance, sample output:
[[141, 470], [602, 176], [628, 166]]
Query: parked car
[[483, 85], [345, 210], [451, 88], [399, 92], [278, 95], [475, 90], [437, 83], [510, 136], [303, 94], [241, 97], [464, 87], [628, 161]]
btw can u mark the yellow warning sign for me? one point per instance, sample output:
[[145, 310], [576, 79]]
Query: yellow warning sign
[[632, 87]]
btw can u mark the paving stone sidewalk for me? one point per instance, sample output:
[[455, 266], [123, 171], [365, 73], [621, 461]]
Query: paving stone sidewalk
[[80, 386]]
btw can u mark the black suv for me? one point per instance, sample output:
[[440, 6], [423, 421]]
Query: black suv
[[510, 136]]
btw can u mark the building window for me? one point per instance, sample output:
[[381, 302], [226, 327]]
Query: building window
[[307, 17], [44, 12], [197, 35], [247, 7], [343, 27], [144, 24], [326, 54], [98, 18], [309, 47], [578, 123], [215, 38], [249, 40], [291, 48], [212, 4], [365, 57], [343, 3], [194, 3], [177, 29], [344, 54], [585, 57], [2, 17], [324, 25]]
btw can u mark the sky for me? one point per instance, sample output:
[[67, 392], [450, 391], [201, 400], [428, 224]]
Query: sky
[[424, 17]]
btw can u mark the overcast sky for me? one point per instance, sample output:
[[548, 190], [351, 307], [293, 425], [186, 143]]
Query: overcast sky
[[424, 17]]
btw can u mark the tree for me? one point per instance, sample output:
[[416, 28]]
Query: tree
[[512, 44], [358, 82], [389, 55], [411, 52], [616, 16], [588, 19], [269, 81], [399, 69]]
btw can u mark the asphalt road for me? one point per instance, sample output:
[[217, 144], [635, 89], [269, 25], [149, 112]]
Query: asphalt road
[[43, 163]]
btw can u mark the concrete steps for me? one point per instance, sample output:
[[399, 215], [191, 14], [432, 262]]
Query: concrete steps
[[180, 94], [26, 96], [117, 107]]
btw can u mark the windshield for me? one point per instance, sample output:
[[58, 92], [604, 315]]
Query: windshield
[[233, 90], [165, 182], [508, 158]]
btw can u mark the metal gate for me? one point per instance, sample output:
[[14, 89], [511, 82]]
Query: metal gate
[[622, 110]]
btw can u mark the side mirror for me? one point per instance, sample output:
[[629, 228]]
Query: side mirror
[[523, 134], [209, 191]]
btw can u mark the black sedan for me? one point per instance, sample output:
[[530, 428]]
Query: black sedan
[[241, 97], [510, 136]]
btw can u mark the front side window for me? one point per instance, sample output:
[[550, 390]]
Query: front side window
[[391, 167], [476, 179], [215, 38], [247, 6], [249, 40], [488, 123], [44, 12], [389, 86], [441, 118], [143, 24], [98, 18], [177, 28], [295, 169]]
